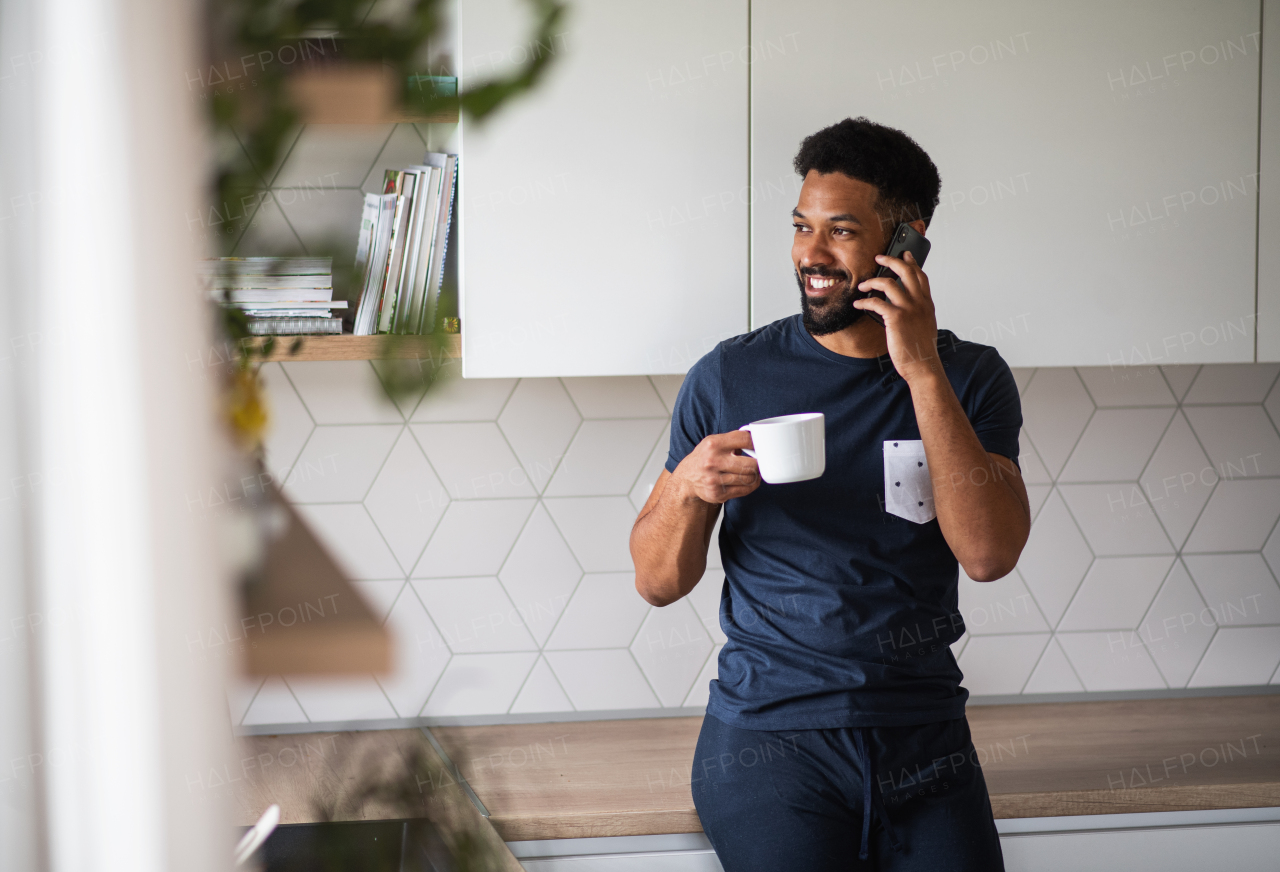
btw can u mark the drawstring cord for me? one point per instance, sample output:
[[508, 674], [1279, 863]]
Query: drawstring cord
[[871, 799]]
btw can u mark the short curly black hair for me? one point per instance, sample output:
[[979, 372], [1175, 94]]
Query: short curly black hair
[[895, 163]]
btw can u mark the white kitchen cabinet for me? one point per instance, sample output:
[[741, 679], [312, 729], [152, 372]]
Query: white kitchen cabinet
[[1238, 839], [1269, 205], [603, 217], [1099, 164]]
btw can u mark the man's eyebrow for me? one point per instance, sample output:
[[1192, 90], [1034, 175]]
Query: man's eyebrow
[[843, 216]]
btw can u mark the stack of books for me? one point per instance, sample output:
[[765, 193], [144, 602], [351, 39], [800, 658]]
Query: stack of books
[[280, 295], [404, 234]]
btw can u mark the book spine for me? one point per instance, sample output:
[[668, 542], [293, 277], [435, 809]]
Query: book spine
[[368, 221], [369, 301], [391, 282], [448, 188], [414, 190], [294, 326], [425, 244], [369, 217], [261, 296]]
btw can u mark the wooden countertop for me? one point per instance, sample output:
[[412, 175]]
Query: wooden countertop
[[631, 777]]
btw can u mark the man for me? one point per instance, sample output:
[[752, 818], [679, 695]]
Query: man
[[835, 735]]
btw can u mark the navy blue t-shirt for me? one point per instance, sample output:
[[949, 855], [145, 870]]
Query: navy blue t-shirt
[[839, 609]]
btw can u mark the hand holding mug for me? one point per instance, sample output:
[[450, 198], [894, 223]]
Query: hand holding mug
[[715, 472]]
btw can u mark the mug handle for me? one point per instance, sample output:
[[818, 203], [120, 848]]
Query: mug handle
[[747, 451]]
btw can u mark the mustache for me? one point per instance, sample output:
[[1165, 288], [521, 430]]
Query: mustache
[[824, 272]]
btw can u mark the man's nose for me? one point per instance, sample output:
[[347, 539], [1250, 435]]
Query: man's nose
[[814, 252]]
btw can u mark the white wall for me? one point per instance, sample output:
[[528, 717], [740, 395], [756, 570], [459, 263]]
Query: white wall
[[490, 522]]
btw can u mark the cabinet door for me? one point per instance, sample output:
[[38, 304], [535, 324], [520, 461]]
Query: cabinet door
[[603, 217], [1098, 160], [1269, 207]]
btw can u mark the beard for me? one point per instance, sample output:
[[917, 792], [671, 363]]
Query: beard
[[837, 312]]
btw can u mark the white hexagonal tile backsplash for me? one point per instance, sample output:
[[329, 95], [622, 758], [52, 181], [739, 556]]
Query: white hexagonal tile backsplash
[[507, 506]]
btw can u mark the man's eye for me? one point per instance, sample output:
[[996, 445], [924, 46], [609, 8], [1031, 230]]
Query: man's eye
[[799, 227]]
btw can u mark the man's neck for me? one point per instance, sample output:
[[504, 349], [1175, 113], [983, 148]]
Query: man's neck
[[864, 338]]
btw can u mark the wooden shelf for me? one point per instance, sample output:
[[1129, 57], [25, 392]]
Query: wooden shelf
[[364, 347], [302, 616], [353, 94]]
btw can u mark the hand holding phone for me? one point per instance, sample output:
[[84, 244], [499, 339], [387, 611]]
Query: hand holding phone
[[905, 238]]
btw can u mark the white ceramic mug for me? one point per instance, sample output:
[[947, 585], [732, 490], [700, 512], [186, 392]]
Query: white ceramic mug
[[790, 447]]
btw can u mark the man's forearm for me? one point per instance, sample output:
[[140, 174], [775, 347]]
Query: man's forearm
[[979, 501], [669, 541]]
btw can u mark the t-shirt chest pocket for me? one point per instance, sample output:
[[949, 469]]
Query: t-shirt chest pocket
[[908, 490]]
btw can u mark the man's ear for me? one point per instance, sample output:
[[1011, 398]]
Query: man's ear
[[919, 225]]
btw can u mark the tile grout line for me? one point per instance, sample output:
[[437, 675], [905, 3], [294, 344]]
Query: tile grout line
[[539, 657], [1200, 514], [1079, 436], [1034, 602], [385, 695], [297, 137], [1191, 385], [257, 690], [542, 491], [577, 585], [1146, 615], [288, 468], [448, 499], [296, 235], [1025, 434], [560, 684], [712, 653], [443, 639], [1265, 410], [653, 690], [506, 401], [383, 463], [537, 491], [1263, 553], [1205, 652], [298, 702], [383, 537], [1093, 558], [528, 675], [657, 441], [1074, 671], [1039, 659], [365, 179], [1155, 449]]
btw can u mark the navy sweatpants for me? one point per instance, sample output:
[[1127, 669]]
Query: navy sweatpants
[[875, 798]]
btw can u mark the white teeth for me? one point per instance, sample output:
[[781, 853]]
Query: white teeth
[[819, 283]]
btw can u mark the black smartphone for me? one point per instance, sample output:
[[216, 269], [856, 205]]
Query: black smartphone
[[905, 238]]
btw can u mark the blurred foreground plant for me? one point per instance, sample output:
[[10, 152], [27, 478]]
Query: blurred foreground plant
[[253, 114], [444, 833]]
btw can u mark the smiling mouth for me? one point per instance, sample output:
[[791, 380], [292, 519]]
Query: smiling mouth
[[814, 284]]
